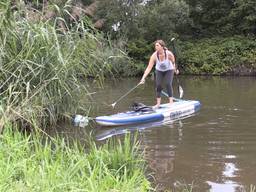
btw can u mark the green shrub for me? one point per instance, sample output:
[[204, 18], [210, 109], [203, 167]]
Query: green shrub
[[217, 56]]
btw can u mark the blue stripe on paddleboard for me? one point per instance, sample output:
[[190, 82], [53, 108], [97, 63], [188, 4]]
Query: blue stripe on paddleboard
[[197, 106], [128, 120]]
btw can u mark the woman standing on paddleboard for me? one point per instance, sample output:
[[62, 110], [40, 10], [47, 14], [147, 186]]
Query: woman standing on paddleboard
[[164, 62]]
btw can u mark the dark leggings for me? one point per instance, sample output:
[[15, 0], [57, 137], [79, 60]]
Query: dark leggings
[[165, 77]]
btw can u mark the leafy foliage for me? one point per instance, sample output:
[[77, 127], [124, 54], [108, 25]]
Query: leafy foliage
[[243, 16], [217, 56], [165, 19], [121, 17], [222, 17], [141, 23]]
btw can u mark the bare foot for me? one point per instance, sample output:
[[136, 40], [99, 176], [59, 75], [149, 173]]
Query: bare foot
[[170, 104], [155, 107]]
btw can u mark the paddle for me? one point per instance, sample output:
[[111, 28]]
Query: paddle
[[120, 98], [180, 89], [165, 94]]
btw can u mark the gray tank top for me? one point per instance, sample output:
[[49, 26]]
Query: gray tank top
[[164, 65]]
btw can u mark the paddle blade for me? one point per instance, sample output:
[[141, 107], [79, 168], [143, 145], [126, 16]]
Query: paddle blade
[[113, 105], [181, 91], [164, 93]]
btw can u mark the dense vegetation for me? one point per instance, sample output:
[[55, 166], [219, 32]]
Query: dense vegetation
[[225, 30], [219, 56], [43, 68], [36, 164], [194, 18]]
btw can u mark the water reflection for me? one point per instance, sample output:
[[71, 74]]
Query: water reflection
[[159, 154], [229, 172], [228, 186], [161, 160]]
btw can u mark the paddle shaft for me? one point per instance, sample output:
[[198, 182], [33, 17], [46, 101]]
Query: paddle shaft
[[165, 94], [113, 104], [180, 90]]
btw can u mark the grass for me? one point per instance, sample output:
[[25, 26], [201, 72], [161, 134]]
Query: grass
[[35, 164]]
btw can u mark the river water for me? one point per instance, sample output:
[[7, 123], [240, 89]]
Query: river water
[[213, 150]]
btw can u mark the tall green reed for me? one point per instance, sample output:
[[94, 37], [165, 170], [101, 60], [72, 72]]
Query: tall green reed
[[43, 69]]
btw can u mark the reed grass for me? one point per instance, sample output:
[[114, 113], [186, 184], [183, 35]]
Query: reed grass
[[38, 164], [44, 70]]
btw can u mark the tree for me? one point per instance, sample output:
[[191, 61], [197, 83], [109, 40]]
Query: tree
[[223, 17], [210, 16], [142, 22], [147, 19], [120, 16], [166, 19], [243, 16]]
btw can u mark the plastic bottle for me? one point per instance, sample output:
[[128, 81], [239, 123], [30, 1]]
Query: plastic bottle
[[80, 121]]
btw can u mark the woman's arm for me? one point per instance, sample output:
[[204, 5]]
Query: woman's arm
[[171, 57], [149, 67]]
